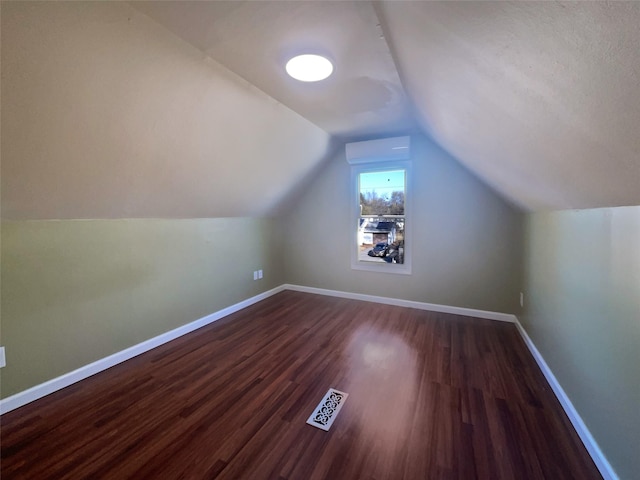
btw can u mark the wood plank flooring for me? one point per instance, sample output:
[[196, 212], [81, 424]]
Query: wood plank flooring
[[431, 396]]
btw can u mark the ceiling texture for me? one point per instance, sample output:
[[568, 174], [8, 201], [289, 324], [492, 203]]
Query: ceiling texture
[[541, 100]]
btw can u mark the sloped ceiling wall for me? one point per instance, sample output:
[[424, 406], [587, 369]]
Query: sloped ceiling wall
[[108, 115], [363, 96], [540, 99]]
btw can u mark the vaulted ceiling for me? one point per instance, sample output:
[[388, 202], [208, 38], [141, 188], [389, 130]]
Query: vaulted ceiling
[[540, 99]]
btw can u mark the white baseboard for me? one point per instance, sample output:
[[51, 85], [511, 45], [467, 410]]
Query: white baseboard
[[606, 470], [58, 383], [433, 307], [39, 391]]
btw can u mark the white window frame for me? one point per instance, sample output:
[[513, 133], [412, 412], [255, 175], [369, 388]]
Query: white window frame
[[378, 166]]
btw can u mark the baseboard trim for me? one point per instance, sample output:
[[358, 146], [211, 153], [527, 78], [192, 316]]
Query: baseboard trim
[[46, 388], [606, 470], [434, 307], [58, 383]]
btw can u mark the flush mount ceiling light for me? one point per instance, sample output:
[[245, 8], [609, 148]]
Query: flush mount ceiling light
[[309, 68]]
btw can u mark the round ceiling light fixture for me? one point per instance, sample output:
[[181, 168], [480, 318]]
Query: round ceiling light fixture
[[309, 68]]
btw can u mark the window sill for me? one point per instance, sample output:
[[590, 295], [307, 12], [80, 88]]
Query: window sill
[[382, 268]]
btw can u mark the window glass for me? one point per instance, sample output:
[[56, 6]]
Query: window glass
[[381, 223]]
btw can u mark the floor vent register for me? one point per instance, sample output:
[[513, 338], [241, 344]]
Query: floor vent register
[[328, 409]]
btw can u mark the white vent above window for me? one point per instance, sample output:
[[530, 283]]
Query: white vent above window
[[382, 150]]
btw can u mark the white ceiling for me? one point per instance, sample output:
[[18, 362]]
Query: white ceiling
[[363, 97], [539, 99]]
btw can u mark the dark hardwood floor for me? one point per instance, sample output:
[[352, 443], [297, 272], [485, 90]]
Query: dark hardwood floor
[[430, 396]]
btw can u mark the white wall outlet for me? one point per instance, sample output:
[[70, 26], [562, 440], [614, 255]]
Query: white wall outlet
[[255, 274], [259, 273], [3, 360], [521, 299]]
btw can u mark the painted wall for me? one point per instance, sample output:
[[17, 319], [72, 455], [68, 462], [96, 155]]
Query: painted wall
[[467, 240], [582, 287], [75, 291], [106, 116]]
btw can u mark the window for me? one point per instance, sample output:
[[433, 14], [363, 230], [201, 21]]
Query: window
[[380, 216]]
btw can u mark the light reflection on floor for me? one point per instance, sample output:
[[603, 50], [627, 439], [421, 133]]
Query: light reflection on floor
[[382, 384]]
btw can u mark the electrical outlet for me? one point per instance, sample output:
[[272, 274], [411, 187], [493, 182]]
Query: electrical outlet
[[521, 299], [259, 273], [255, 274], [3, 360]]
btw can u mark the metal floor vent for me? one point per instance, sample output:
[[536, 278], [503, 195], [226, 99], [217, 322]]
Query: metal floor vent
[[328, 409]]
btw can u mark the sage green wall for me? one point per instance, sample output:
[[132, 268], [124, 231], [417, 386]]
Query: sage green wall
[[467, 241], [75, 291], [582, 311], [105, 116]]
